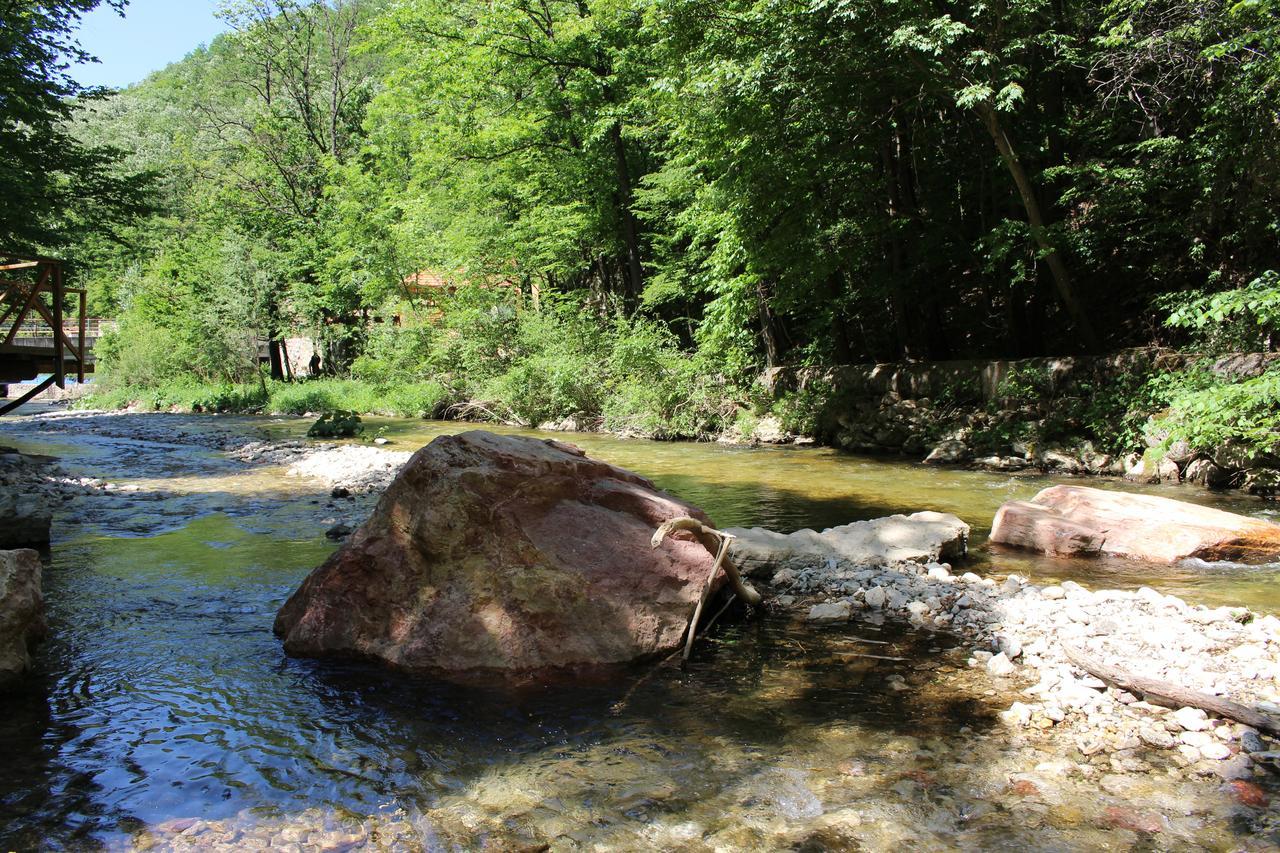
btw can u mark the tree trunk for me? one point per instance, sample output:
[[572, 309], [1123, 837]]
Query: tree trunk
[[898, 296], [277, 363], [1052, 257], [769, 331], [284, 361], [630, 229]]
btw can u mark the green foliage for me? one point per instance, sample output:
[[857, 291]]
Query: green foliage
[[1023, 385], [336, 424], [800, 412], [56, 187], [1113, 414], [1210, 412], [635, 206], [1243, 319]]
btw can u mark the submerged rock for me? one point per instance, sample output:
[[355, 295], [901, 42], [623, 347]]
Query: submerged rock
[[493, 552], [1074, 520], [922, 537], [22, 622]]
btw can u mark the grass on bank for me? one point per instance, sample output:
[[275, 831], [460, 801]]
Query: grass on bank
[[313, 396]]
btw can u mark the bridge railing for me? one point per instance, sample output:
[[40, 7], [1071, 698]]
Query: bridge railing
[[93, 329]]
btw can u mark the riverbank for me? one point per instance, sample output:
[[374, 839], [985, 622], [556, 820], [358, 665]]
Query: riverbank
[[1049, 740], [1149, 415]]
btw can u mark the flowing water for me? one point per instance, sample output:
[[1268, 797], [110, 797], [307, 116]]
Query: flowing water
[[166, 714]]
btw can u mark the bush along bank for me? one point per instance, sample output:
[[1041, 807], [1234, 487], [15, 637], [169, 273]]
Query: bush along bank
[[1151, 415]]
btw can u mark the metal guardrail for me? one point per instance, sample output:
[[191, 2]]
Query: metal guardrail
[[93, 328]]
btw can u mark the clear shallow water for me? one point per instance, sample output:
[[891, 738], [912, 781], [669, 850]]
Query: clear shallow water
[[164, 696]]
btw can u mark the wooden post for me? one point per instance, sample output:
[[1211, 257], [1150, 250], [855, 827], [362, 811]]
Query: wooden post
[[59, 351], [83, 310]]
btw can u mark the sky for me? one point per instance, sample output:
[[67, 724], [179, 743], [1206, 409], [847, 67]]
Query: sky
[[152, 34]]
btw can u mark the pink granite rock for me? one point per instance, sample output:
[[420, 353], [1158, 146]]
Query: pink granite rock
[[22, 622], [507, 553], [1075, 520]]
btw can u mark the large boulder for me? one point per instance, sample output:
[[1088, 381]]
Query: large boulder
[[508, 553], [1079, 521], [22, 622], [920, 537], [24, 522]]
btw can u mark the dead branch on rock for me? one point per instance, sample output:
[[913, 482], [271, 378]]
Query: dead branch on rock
[[717, 543], [1159, 692], [713, 540]]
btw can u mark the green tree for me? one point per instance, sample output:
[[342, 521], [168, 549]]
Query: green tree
[[52, 186]]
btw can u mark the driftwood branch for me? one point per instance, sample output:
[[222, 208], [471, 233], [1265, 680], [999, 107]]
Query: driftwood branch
[[1166, 693], [702, 599], [713, 540], [716, 543]]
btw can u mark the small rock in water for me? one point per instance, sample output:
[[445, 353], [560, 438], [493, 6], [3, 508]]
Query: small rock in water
[[1215, 751], [1249, 794], [340, 492], [381, 441], [830, 611], [338, 531], [1122, 817], [1001, 666], [1197, 739], [1018, 714], [1237, 767], [1158, 738], [1251, 741]]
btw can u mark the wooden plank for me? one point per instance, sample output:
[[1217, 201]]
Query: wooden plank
[[20, 265], [43, 386], [58, 296], [22, 315]]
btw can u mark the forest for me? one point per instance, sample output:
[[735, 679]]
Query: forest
[[631, 207]]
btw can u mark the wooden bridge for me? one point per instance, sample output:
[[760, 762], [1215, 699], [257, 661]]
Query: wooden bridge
[[39, 336]]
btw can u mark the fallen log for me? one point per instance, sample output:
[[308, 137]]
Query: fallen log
[[1160, 692]]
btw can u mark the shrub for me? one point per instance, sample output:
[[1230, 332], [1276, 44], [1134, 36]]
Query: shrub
[[547, 387], [1208, 412], [337, 424]]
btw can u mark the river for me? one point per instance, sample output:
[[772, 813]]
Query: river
[[166, 716]]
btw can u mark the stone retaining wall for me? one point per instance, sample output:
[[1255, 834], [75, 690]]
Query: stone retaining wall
[[947, 412]]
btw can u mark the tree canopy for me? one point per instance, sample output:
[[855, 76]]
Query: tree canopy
[[56, 187], [772, 181]]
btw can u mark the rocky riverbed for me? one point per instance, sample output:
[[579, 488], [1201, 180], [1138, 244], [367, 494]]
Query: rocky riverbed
[[1020, 633], [1081, 762]]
